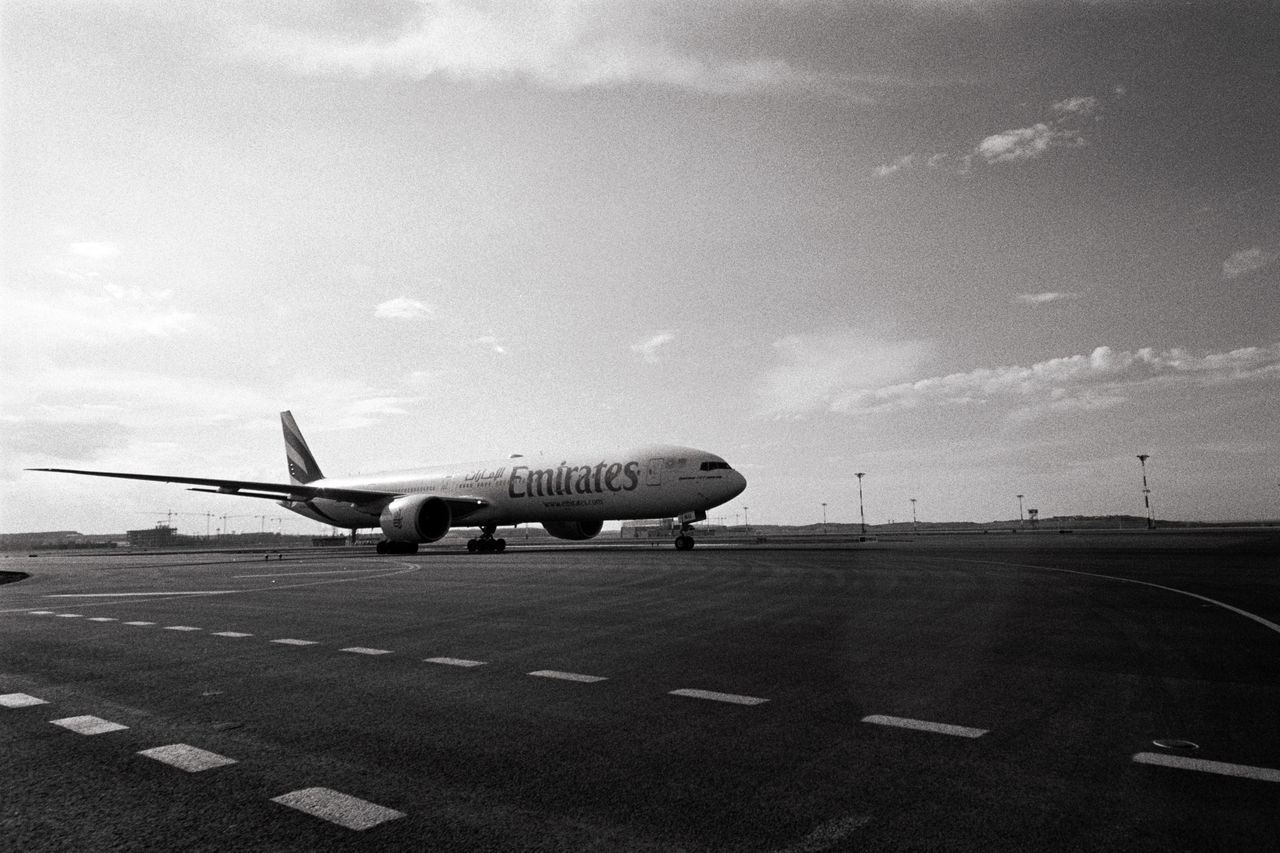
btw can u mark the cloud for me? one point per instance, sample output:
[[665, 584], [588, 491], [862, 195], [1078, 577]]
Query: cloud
[[648, 348], [1093, 381], [403, 308], [1247, 261], [816, 370], [562, 44], [492, 343], [1045, 298]]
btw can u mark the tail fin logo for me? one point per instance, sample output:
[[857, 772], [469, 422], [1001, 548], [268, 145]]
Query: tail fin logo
[[302, 465]]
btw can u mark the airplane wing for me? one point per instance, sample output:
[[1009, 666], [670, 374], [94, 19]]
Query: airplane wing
[[249, 488]]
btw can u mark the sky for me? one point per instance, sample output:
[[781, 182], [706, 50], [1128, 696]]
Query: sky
[[970, 248]]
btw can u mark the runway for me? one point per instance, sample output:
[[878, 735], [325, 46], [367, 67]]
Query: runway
[[960, 693]]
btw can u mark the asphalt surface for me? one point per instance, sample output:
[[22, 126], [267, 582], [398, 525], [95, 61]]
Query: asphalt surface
[[959, 693]]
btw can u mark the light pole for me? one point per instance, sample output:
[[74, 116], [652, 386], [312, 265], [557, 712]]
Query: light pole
[[1019, 510], [1146, 493], [862, 516], [824, 518], [745, 522], [914, 525]]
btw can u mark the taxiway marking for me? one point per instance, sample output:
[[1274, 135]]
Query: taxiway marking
[[925, 726], [88, 725], [291, 642], [139, 623], [136, 594], [103, 619], [297, 574], [568, 676], [1262, 774], [231, 634], [361, 650], [454, 661], [20, 700], [336, 807], [186, 757], [182, 628], [731, 698]]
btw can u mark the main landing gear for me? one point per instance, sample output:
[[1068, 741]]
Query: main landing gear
[[486, 544]]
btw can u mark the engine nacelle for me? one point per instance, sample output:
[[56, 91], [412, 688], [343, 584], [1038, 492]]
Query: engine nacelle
[[416, 518], [574, 530]]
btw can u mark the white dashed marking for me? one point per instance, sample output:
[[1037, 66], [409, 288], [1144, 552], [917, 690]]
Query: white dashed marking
[[69, 615], [568, 676], [189, 758], [360, 650], [289, 642], [925, 726], [103, 619], [87, 725], [231, 634], [19, 700], [1262, 774], [335, 807], [731, 698], [41, 613], [455, 661], [139, 623], [181, 628]]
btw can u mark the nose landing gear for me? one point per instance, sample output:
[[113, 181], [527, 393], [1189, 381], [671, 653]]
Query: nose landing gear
[[684, 542]]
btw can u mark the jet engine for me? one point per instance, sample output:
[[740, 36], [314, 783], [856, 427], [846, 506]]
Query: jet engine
[[416, 518], [575, 530]]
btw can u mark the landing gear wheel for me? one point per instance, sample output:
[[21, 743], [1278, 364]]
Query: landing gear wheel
[[473, 545], [684, 543], [486, 544]]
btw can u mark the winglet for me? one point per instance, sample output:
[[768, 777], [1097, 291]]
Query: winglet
[[302, 465]]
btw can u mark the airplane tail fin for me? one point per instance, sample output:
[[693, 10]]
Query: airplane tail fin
[[302, 465]]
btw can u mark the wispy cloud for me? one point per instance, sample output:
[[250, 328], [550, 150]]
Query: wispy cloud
[[403, 308], [1045, 298], [815, 371], [563, 44], [649, 348], [1097, 380], [1247, 261]]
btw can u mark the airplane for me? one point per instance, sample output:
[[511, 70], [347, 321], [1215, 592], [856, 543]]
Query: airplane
[[570, 497]]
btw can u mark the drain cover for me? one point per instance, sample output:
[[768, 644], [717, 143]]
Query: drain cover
[[1172, 743]]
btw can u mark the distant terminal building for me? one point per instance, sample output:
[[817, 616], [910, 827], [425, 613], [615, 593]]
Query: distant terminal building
[[160, 536], [55, 539], [648, 528]]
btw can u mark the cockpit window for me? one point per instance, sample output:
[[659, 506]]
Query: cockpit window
[[715, 466]]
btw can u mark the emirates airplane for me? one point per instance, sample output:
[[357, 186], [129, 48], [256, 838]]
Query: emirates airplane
[[571, 498]]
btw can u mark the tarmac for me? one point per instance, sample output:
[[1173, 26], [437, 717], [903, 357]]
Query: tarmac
[[1048, 692]]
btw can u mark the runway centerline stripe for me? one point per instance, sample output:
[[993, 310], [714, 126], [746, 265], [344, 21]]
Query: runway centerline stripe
[[103, 619], [568, 676], [41, 612], [925, 726], [713, 696], [231, 634], [360, 650], [186, 757], [291, 642], [1244, 771], [88, 725], [336, 807], [455, 661], [20, 700], [68, 615], [182, 628], [139, 623]]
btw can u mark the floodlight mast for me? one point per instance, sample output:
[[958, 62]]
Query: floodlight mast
[[862, 515], [1146, 492], [915, 527], [1019, 510]]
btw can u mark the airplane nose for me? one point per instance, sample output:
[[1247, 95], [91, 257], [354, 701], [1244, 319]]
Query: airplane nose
[[735, 485]]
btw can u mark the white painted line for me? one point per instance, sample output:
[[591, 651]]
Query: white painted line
[[359, 650], [731, 698], [1262, 774], [87, 725], [20, 700], [568, 676], [69, 615], [188, 758], [181, 628], [925, 726], [289, 642], [455, 661], [292, 574], [231, 634], [342, 809], [103, 619], [41, 612], [139, 623], [135, 594]]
